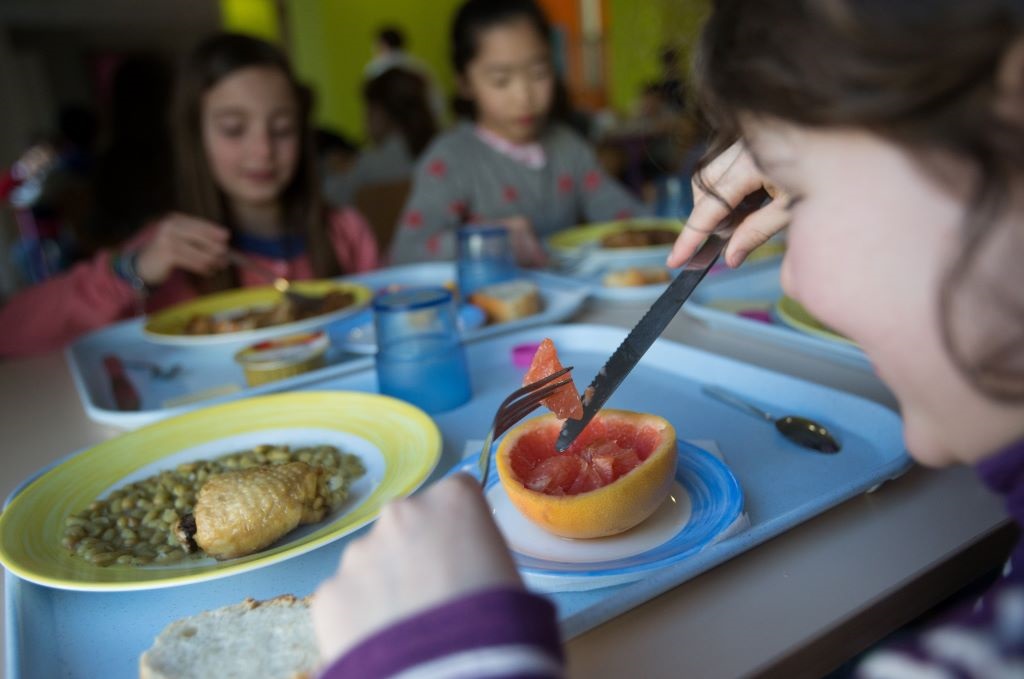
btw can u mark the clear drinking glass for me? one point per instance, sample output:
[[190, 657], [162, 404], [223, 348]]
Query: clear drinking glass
[[484, 257], [420, 358]]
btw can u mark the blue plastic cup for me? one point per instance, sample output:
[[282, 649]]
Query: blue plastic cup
[[485, 257], [420, 358]]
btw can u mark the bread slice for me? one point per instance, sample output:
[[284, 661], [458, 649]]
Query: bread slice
[[508, 301], [254, 639], [636, 276]]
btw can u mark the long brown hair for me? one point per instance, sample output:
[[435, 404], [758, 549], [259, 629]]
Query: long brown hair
[[198, 193], [924, 75]]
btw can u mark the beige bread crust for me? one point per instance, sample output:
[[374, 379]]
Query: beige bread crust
[[508, 301], [256, 627]]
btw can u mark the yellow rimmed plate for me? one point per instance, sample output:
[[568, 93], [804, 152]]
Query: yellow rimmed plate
[[168, 326], [570, 240], [796, 316], [398, 443]]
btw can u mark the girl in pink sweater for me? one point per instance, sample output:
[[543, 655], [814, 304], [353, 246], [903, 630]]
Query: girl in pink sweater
[[246, 180]]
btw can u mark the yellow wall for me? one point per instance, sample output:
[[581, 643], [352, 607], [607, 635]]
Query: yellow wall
[[332, 40], [637, 31], [252, 17]]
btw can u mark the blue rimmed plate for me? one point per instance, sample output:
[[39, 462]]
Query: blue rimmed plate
[[705, 500]]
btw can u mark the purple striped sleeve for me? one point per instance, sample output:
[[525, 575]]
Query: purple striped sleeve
[[505, 632]]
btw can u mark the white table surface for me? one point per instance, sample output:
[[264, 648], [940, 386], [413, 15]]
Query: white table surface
[[794, 606]]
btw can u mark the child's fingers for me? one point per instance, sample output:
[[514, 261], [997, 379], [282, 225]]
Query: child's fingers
[[755, 230], [198, 229], [709, 210], [197, 257], [730, 178], [202, 236], [537, 256], [686, 244]]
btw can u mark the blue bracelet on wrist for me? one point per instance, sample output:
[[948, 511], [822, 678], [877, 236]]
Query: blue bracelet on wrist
[[124, 265]]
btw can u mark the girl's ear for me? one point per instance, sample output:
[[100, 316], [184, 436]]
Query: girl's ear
[[1009, 102]]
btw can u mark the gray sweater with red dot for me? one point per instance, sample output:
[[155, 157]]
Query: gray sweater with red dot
[[461, 179]]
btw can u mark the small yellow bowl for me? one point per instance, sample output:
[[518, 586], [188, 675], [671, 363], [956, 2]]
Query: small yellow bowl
[[283, 357]]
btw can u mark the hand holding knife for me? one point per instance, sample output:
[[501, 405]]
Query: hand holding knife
[[657, 318]]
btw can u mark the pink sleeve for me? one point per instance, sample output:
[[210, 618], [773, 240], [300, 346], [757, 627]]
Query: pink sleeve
[[355, 244], [7, 184], [52, 314]]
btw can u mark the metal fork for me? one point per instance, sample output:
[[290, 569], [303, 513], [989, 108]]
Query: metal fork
[[518, 405], [281, 284]]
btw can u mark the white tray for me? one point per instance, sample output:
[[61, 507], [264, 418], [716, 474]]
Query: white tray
[[210, 374]]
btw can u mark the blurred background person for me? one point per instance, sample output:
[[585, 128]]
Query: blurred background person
[[400, 125], [390, 52], [673, 82], [50, 191], [511, 161], [336, 154], [246, 180]]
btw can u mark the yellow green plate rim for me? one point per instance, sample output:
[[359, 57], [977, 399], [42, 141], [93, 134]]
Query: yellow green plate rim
[[42, 506], [578, 236], [170, 322], [796, 316]]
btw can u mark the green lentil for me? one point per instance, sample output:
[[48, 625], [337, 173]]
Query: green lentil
[[133, 525]]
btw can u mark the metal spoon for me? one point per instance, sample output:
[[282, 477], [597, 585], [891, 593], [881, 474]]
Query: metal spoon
[[799, 430]]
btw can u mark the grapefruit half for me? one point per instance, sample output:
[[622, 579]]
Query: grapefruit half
[[564, 402], [614, 475]]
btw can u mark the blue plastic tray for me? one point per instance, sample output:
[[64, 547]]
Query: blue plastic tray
[[756, 286], [55, 633], [210, 374]]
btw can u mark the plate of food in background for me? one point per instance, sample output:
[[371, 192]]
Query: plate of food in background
[[630, 282], [218, 491], [588, 248], [251, 314], [793, 314]]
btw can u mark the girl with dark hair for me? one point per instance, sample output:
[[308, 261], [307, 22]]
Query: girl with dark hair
[[246, 179], [899, 169], [512, 162], [400, 124]]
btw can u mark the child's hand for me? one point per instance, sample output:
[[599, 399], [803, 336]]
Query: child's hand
[[733, 175], [183, 242], [34, 161], [527, 248], [422, 551]]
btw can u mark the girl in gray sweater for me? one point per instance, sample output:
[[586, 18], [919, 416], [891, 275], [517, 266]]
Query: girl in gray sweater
[[513, 164]]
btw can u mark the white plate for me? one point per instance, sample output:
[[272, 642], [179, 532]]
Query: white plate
[[705, 500]]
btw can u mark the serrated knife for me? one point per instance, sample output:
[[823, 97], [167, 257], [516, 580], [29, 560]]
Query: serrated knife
[[657, 318]]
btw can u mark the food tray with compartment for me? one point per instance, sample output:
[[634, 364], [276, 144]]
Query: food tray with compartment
[[79, 634], [208, 374]]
